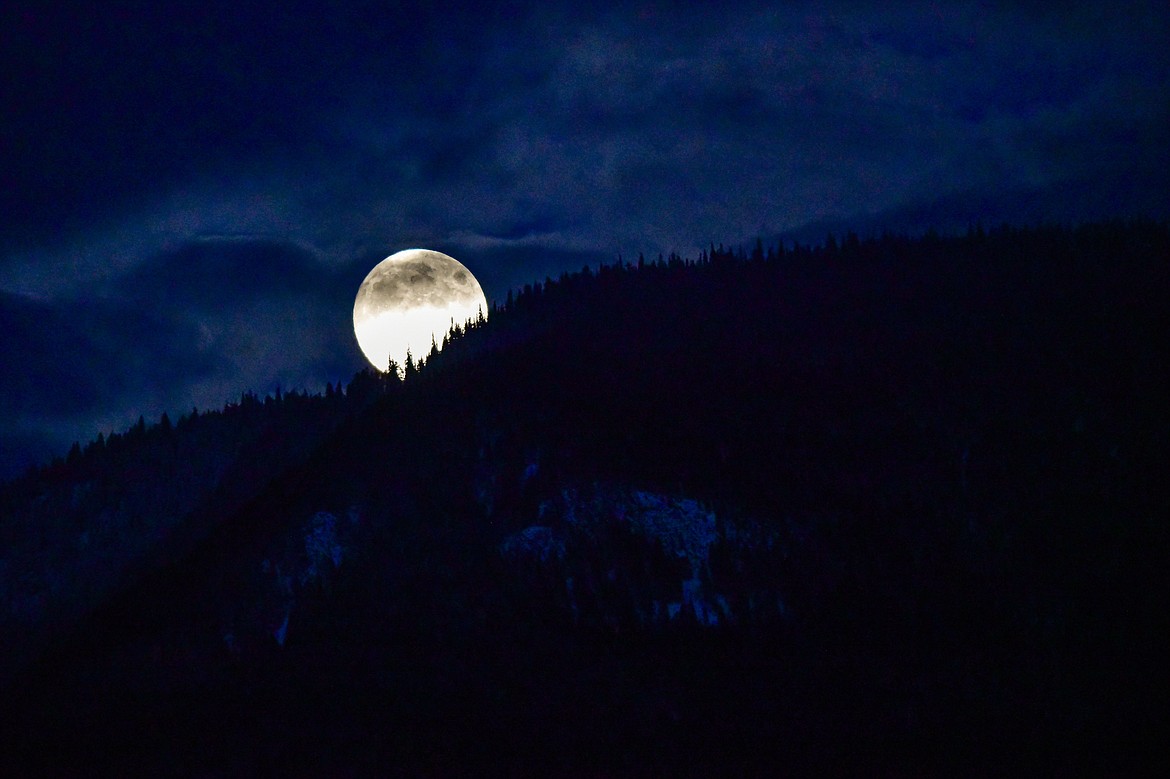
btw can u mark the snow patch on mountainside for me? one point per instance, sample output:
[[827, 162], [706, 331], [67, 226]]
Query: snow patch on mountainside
[[536, 542], [682, 526], [632, 554]]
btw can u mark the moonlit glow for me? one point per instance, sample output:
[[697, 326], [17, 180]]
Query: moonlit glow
[[410, 300], [391, 333]]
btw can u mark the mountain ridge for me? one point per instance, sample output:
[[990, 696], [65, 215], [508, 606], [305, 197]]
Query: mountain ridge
[[951, 443]]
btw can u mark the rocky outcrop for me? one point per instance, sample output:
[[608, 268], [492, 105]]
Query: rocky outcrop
[[617, 556]]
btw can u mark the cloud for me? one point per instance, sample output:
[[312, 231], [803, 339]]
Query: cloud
[[195, 325], [75, 355], [641, 128], [72, 366], [272, 311], [211, 272]]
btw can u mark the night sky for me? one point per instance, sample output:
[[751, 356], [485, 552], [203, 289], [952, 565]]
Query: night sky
[[190, 197]]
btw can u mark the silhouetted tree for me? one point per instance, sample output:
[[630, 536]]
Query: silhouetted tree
[[758, 251]]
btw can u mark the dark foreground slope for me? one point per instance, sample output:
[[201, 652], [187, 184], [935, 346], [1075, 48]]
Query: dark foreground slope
[[884, 508]]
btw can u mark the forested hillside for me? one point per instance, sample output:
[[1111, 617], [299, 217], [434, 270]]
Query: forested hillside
[[882, 506]]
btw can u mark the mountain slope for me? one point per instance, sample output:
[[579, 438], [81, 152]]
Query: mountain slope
[[872, 507]]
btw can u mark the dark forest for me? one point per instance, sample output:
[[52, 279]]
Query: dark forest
[[892, 505]]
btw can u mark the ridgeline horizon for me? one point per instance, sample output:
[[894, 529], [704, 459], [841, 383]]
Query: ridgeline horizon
[[884, 505], [847, 245]]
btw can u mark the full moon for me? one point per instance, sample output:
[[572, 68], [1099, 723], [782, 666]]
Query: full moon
[[411, 299]]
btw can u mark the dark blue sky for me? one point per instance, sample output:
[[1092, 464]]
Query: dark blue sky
[[191, 196]]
